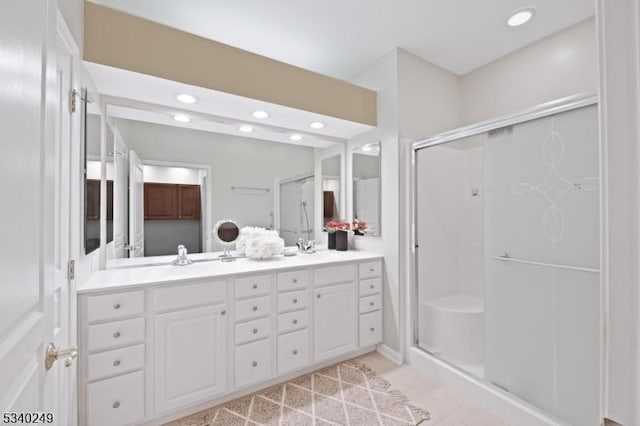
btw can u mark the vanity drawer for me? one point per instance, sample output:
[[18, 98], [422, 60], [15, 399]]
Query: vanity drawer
[[103, 336], [253, 362], [293, 351], [253, 308], [117, 401], [335, 274], [370, 269], [371, 286], [252, 330], [293, 300], [115, 362], [370, 328], [292, 280], [184, 296], [257, 285], [113, 306], [370, 303], [293, 321]]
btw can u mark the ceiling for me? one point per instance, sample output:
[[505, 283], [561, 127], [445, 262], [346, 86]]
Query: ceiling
[[341, 38]]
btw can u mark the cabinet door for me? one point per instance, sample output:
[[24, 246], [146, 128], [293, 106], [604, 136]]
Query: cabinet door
[[188, 201], [335, 317], [92, 207], [160, 201], [190, 356]]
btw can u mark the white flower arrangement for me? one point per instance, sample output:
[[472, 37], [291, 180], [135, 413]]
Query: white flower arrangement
[[259, 243]]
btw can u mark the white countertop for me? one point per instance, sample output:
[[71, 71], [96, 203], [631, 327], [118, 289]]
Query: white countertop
[[121, 278]]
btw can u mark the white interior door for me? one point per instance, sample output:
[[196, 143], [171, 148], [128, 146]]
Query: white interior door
[[120, 208], [27, 38], [136, 206]]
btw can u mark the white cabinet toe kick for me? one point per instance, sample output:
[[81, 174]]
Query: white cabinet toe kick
[[157, 351]]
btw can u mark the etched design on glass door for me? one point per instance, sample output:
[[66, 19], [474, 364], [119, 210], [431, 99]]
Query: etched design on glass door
[[554, 186]]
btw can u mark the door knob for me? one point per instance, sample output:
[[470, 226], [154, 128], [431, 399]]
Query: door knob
[[52, 354]]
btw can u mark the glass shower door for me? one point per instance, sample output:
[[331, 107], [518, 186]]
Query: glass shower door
[[508, 259]]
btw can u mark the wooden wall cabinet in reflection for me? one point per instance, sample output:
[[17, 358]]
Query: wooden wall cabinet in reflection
[[163, 201]]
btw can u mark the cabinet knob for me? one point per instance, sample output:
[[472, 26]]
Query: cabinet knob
[[255, 308], [372, 303], [295, 352], [371, 269], [116, 404], [255, 286], [254, 364], [116, 363], [255, 331], [223, 313], [295, 280], [372, 286], [116, 335], [372, 329], [116, 306], [295, 301], [318, 296], [295, 321]]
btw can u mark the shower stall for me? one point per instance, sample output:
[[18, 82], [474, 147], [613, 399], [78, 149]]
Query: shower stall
[[295, 207], [506, 260]]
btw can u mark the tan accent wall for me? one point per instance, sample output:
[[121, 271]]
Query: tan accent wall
[[123, 41]]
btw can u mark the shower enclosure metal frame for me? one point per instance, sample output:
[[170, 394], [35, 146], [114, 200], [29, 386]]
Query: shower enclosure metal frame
[[539, 111]]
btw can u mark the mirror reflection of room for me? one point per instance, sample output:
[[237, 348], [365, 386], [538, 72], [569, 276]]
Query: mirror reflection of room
[[366, 188], [192, 177], [331, 189]]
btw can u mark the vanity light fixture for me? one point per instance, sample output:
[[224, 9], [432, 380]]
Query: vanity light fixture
[[260, 114], [316, 124], [186, 98], [295, 137], [181, 118], [521, 16], [245, 129]]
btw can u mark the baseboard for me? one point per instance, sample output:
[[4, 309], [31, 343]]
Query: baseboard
[[390, 354]]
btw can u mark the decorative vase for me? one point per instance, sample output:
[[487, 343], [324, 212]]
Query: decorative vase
[[342, 240], [332, 240]]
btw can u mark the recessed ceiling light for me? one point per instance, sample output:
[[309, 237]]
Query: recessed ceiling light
[[246, 129], [181, 118], [186, 99], [316, 124], [366, 148], [295, 137], [260, 114], [521, 16]]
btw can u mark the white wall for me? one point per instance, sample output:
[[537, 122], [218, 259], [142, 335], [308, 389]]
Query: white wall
[[235, 161], [560, 65], [176, 175], [73, 14]]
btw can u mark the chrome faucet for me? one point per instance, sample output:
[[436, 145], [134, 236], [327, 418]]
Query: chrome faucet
[[182, 259], [308, 247]]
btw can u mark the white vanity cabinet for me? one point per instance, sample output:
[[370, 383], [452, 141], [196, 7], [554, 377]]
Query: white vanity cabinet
[[151, 351]]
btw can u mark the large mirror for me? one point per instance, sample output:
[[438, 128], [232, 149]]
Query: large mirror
[[366, 189], [183, 178], [331, 187]]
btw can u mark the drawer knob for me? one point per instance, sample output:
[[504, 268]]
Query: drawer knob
[[116, 335], [255, 286], [223, 313], [255, 308], [371, 269], [295, 321], [372, 329], [372, 286], [255, 331], [116, 306], [295, 300], [372, 303], [116, 363], [318, 296], [116, 404], [295, 280], [254, 364], [295, 352]]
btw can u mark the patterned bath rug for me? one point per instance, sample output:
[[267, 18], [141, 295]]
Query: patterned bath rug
[[347, 393]]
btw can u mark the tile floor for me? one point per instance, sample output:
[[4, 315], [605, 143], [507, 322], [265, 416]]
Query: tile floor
[[446, 408]]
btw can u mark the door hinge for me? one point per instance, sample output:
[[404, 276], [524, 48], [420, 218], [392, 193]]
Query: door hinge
[[71, 270], [73, 100]]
